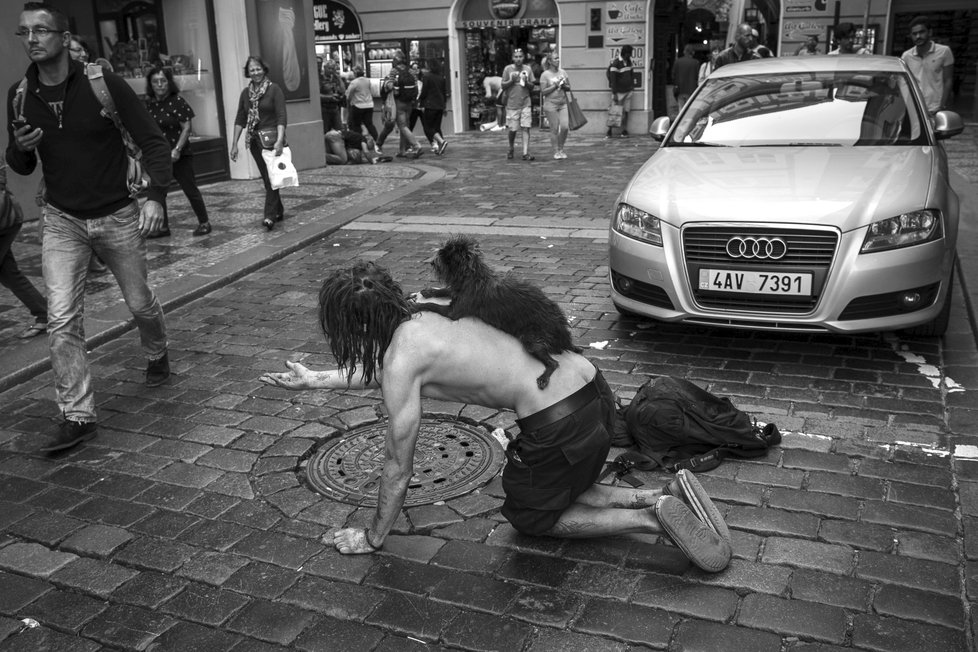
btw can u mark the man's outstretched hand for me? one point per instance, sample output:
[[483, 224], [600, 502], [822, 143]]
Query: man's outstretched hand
[[297, 377], [352, 541]]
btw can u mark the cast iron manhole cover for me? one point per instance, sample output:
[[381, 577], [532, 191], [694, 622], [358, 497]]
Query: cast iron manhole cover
[[451, 459]]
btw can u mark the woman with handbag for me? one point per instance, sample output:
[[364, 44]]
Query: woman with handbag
[[11, 220], [172, 113], [261, 115], [554, 86]]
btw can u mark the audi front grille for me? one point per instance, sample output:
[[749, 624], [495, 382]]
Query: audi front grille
[[808, 250]]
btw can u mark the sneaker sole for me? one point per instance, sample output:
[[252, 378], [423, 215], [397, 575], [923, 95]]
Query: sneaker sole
[[701, 545], [691, 492]]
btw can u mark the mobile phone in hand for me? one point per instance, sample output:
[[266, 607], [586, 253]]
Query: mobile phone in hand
[[19, 122]]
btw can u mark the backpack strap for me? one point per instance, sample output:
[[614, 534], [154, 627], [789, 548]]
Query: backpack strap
[[97, 81], [17, 108]]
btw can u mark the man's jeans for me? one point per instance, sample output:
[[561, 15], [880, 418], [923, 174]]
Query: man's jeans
[[67, 247], [408, 141]]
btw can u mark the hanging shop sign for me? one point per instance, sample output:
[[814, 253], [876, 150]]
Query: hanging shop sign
[[335, 23], [478, 14]]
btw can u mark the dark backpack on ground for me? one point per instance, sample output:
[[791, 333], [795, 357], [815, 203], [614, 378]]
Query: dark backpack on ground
[[677, 425], [405, 85]]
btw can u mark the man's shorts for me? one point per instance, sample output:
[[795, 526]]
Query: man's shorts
[[622, 98], [558, 455], [519, 118]]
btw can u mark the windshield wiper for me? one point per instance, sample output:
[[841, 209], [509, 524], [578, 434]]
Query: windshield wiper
[[699, 143], [794, 145]]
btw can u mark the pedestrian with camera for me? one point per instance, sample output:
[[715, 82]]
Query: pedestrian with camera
[[517, 83]]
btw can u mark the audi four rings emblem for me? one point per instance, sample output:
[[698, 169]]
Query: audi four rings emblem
[[757, 248]]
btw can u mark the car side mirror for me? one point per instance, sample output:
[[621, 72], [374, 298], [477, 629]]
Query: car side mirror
[[947, 124], [661, 125]]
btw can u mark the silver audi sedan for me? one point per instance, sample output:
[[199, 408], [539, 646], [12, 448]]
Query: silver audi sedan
[[794, 194]]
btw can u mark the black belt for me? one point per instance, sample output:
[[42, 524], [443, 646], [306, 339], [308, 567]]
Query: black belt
[[562, 408]]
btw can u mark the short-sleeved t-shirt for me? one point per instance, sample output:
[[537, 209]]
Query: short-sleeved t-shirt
[[929, 72], [168, 114], [519, 96]]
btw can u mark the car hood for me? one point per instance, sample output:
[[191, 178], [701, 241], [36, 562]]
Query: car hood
[[847, 187]]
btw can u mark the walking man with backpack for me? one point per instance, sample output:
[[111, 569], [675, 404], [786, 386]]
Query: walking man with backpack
[[404, 85], [57, 119]]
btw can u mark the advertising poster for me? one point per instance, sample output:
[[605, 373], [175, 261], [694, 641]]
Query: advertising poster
[[282, 44]]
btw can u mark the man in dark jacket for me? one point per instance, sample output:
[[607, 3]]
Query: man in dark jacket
[[622, 83], [89, 207], [741, 50]]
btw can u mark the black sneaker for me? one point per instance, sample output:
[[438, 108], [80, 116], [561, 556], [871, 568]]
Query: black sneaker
[[71, 433], [158, 371]]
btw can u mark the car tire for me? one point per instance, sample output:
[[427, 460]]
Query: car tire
[[938, 326]]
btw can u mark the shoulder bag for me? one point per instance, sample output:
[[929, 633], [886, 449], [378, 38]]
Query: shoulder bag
[[575, 117], [267, 137]]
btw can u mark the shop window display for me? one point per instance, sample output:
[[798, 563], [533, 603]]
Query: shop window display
[[136, 36], [487, 53]]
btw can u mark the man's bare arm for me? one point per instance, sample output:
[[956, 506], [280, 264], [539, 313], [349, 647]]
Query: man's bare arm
[[948, 74], [301, 377], [403, 402]]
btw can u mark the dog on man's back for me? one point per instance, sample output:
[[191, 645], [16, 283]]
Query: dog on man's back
[[506, 302]]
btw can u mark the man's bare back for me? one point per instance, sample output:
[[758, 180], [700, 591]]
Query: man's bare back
[[470, 362]]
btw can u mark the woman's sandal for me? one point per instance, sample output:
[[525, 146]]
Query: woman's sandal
[[696, 539], [268, 223]]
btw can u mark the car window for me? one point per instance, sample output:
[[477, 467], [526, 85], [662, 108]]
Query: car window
[[833, 109]]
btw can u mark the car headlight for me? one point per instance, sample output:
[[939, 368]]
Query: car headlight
[[638, 224], [902, 231]]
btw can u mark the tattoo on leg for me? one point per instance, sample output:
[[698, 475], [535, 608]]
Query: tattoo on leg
[[571, 528]]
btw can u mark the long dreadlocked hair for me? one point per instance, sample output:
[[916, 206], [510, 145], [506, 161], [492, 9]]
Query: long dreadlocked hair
[[359, 310]]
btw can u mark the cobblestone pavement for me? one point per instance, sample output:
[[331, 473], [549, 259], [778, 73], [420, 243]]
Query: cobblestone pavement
[[188, 523]]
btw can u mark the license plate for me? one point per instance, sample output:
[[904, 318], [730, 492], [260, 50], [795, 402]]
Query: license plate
[[724, 280]]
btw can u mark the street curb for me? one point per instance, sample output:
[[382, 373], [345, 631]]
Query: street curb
[[32, 359], [967, 261]]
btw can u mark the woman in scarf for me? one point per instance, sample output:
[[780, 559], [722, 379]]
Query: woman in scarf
[[261, 108]]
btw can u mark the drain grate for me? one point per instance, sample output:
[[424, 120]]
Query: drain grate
[[450, 460]]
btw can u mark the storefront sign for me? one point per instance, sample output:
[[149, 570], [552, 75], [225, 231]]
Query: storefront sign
[[622, 33], [480, 14], [806, 7], [502, 22], [335, 23], [638, 55], [625, 12]]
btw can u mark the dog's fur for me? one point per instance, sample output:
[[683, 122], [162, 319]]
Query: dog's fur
[[506, 302]]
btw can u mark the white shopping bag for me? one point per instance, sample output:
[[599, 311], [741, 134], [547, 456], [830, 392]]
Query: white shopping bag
[[281, 172]]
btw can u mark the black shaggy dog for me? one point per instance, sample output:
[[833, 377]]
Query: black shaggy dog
[[506, 302]]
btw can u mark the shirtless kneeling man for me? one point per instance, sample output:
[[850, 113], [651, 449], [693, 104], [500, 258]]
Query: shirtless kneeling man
[[380, 340]]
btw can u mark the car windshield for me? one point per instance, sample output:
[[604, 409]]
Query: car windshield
[[843, 108]]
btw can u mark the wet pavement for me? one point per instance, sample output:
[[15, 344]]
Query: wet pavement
[[188, 523]]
